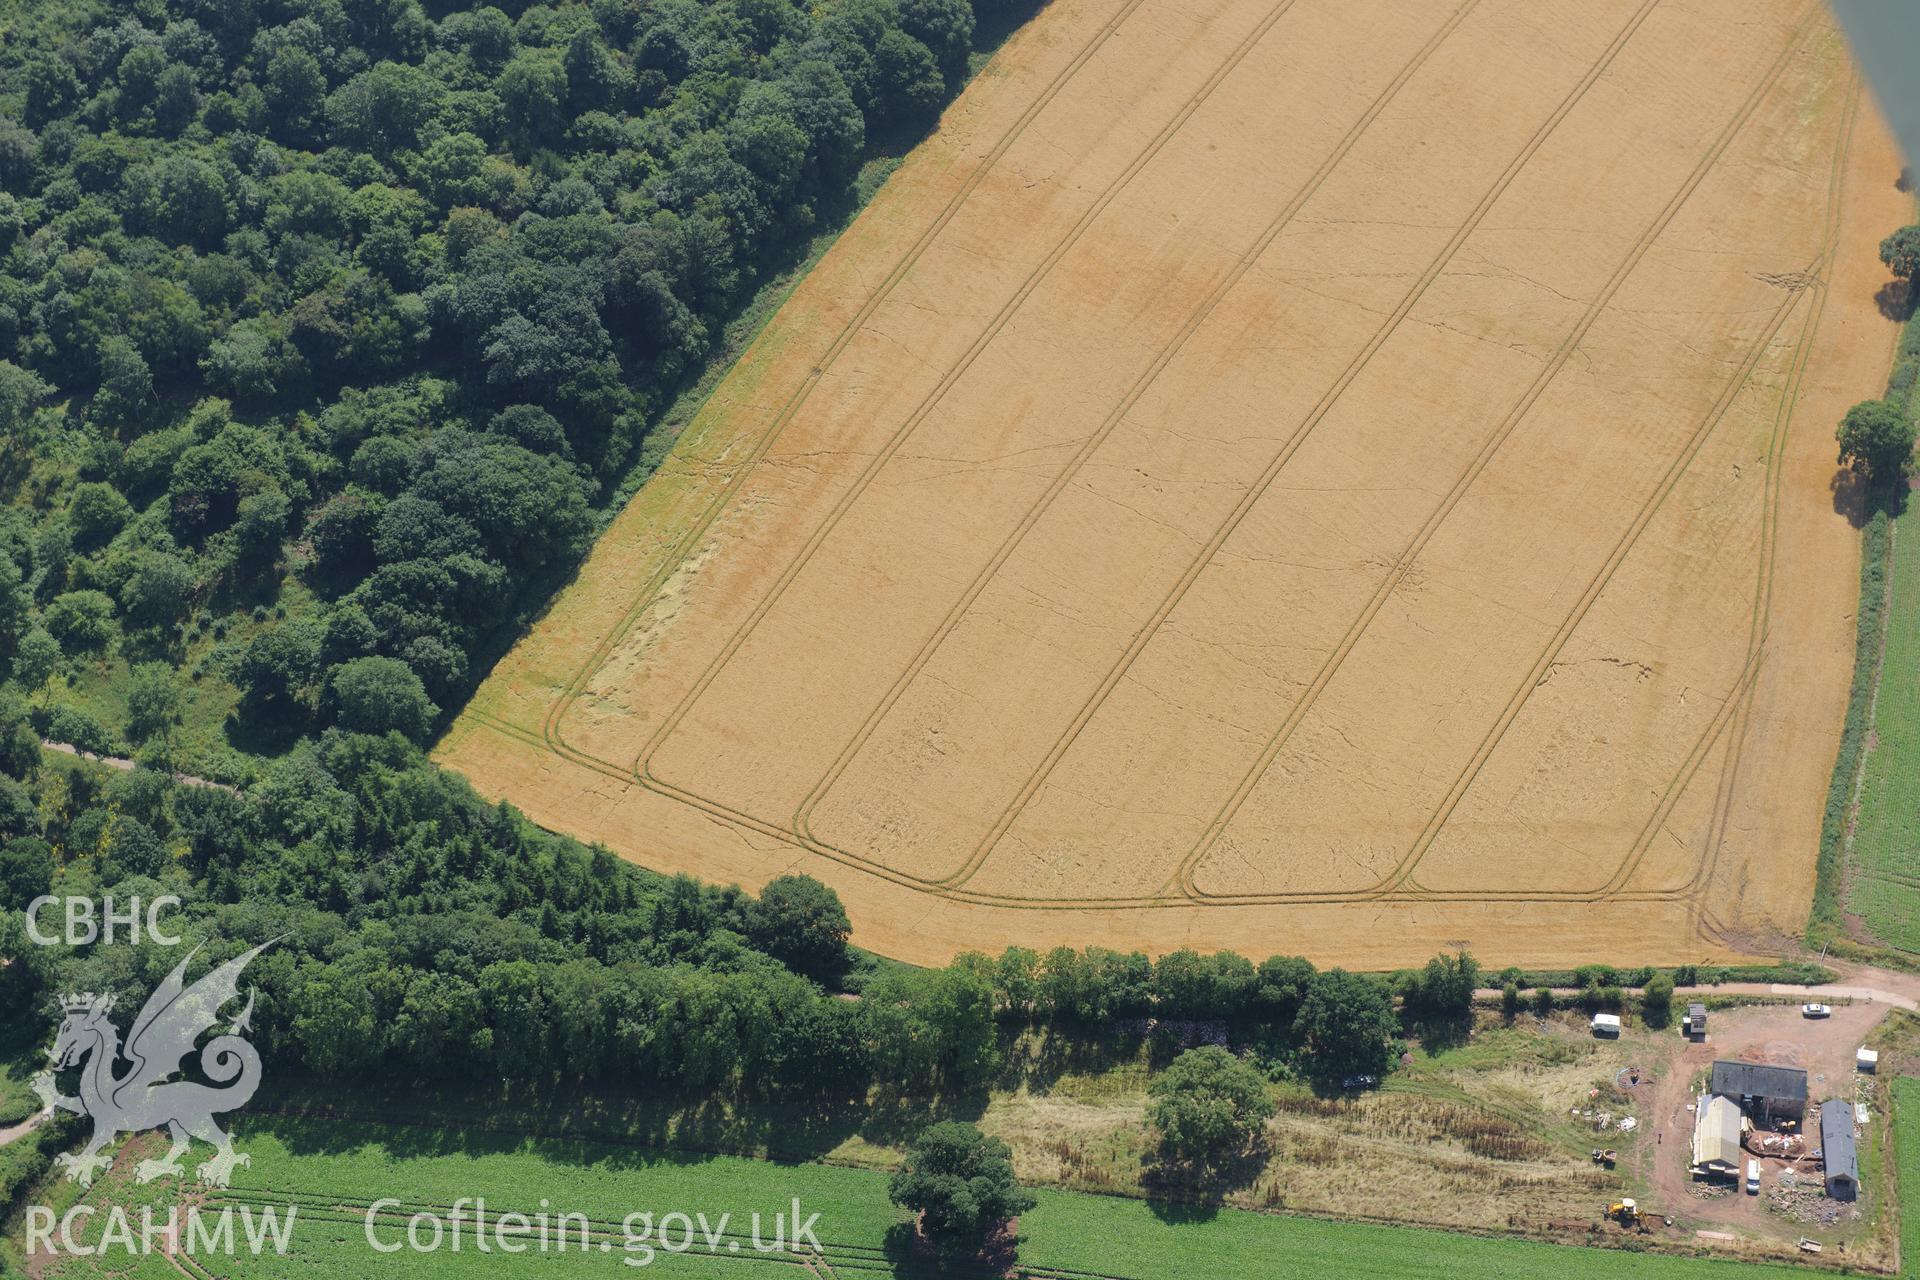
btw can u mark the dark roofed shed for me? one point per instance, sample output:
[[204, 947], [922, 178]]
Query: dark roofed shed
[[1763, 1092], [1837, 1149]]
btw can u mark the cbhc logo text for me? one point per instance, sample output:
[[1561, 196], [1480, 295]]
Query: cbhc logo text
[[105, 921]]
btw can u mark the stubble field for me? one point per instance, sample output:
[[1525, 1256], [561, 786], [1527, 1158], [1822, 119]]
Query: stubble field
[[1338, 476]]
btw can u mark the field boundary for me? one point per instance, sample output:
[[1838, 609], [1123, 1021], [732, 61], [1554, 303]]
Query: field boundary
[[1879, 538], [950, 886], [673, 735], [1905, 1094], [1834, 866]]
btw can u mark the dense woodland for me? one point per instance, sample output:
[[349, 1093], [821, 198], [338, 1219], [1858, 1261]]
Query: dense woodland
[[427, 933], [327, 326]]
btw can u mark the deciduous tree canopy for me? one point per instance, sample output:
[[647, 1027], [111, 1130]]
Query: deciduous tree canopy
[[1876, 439], [1208, 1106], [378, 301], [961, 1183]]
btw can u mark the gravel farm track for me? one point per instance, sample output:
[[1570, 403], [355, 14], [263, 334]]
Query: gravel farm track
[[1339, 476]]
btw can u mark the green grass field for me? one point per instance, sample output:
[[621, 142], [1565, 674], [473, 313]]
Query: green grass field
[[1885, 885], [332, 1171], [1906, 1154]]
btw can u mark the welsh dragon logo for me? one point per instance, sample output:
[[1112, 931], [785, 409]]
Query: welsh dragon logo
[[173, 1018]]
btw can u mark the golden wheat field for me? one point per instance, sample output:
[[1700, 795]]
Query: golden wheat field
[[1335, 476]]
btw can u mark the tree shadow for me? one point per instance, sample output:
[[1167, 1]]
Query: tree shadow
[[894, 1119], [262, 728], [1860, 501], [1193, 1191], [330, 582], [994, 23], [154, 644], [575, 1123], [1437, 1035], [1851, 495], [911, 1256], [22, 1049], [247, 586], [1895, 299], [1039, 1060], [1175, 1213]]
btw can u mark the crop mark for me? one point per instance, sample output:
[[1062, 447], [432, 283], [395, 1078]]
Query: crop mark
[[1757, 625], [802, 818], [642, 764], [1723, 807], [1184, 878], [1596, 586], [1736, 698], [1410, 890], [1739, 699], [1198, 565]]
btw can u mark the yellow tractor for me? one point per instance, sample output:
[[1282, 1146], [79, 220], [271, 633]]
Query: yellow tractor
[[1626, 1213]]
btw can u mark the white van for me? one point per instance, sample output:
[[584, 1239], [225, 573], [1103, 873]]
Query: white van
[[1753, 1177]]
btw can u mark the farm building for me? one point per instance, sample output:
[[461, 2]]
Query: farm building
[[1766, 1093], [1716, 1136], [1837, 1149], [1697, 1020]]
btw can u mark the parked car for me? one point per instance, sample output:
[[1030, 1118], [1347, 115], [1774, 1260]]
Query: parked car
[[1753, 1177], [1816, 1011], [1355, 1083]]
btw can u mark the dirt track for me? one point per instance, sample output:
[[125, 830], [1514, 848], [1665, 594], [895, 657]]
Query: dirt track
[[1345, 476], [124, 765], [1780, 1036], [12, 1133]]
